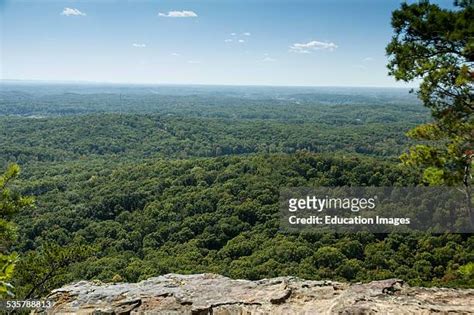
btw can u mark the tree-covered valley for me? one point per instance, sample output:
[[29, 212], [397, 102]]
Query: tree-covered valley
[[137, 181]]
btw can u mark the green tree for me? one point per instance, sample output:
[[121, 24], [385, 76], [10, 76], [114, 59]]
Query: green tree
[[329, 257], [45, 268], [10, 203], [436, 47]]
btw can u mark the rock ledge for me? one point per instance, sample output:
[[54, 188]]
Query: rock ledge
[[213, 294]]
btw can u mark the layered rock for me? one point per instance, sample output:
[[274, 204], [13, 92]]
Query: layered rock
[[213, 294]]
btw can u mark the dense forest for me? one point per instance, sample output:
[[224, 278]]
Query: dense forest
[[43, 128], [131, 183]]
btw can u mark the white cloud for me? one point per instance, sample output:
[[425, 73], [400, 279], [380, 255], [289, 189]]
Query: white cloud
[[73, 12], [233, 34], [246, 34], [178, 14], [228, 40], [367, 59], [175, 54], [241, 41], [137, 45], [269, 59], [306, 48]]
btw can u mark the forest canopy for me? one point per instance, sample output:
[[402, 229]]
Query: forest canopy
[[126, 196]]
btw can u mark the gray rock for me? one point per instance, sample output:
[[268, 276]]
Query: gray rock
[[202, 294]]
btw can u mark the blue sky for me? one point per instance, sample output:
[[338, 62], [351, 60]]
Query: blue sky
[[242, 42]]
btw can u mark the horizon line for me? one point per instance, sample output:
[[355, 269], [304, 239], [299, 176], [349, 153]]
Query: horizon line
[[85, 82]]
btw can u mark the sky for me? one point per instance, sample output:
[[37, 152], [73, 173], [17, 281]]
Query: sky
[[235, 42]]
